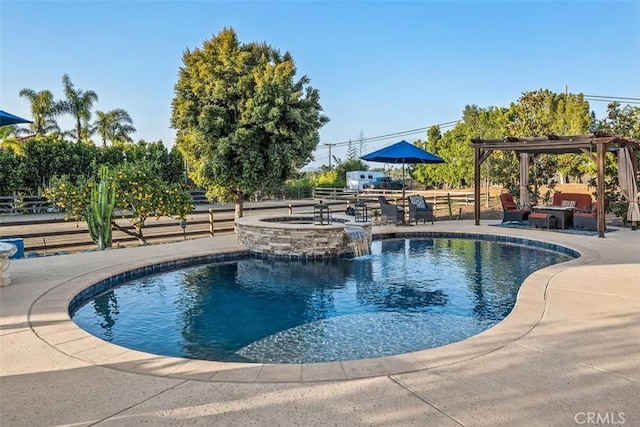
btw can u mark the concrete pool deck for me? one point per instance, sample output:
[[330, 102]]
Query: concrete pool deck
[[568, 354]]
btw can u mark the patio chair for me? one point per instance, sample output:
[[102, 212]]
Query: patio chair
[[586, 218], [419, 208], [390, 212], [511, 211]]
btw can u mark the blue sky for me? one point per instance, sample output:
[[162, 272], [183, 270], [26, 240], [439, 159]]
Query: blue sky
[[380, 67]]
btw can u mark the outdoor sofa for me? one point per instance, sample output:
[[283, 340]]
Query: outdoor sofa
[[582, 201]]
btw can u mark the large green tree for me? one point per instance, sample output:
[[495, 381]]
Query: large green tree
[[623, 121], [540, 113], [243, 121], [168, 165], [50, 155], [11, 172], [453, 147], [535, 113], [492, 123], [9, 138]]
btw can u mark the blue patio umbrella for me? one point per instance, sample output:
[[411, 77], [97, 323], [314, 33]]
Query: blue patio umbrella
[[402, 152], [10, 119]]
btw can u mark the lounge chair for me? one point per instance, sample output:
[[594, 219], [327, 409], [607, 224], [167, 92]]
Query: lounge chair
[[511, 211], [390, 212], [419, 208]]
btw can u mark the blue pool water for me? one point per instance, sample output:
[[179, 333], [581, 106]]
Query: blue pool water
[[408, 295]]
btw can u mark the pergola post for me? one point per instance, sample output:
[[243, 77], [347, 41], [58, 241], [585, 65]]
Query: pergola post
[[476, 185], [633, 154], [601, 214]]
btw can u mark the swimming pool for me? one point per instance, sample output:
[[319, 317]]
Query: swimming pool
[[408, 295]]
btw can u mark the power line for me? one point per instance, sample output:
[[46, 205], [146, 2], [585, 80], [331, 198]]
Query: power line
[[620, 99], [611, 97], [393, 135], [600, 98], [610, 100]]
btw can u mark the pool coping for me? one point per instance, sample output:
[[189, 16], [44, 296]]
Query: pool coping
[[69, 339]]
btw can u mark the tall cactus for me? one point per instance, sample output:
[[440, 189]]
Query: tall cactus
[[100, 209]]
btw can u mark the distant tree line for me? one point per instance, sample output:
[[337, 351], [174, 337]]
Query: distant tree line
[[67, 167], [31, 156], [536, 113], [114, 126], [30, 167]]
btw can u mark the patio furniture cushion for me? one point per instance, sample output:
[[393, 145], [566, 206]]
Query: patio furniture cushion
[[586, 218], [418, 201], [583, 201], [511, 211], [419, 208]]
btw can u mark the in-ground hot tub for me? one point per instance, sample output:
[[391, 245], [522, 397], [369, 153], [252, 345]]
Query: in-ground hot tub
[[296, 236]]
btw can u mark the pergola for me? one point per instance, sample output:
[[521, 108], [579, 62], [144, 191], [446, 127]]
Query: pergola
[[595, 146]]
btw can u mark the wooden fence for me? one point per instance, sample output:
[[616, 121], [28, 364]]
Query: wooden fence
[[439, 199], [28, 204], [50, 233], [24, 204], [33, 204]]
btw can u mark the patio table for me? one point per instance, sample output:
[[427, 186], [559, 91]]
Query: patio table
[[562, 214]]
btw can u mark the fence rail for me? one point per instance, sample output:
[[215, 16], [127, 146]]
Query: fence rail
[[24, 204], [439, 199], [50, 233], [30, 204], [46, 234]]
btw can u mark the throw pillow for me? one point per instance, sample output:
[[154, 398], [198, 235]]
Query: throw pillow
[[418, 201], [568, 204]]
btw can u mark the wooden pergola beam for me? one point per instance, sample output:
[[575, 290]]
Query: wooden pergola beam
[[589, 154]]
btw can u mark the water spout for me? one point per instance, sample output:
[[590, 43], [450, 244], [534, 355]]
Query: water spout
[[359, 240]]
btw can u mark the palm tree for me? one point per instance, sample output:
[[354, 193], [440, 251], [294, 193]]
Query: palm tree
[[115, 126], [44, 109], [87, 131], [9, 139], [78, 104]]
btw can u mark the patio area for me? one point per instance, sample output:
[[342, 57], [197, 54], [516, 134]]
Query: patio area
[[566, 354]]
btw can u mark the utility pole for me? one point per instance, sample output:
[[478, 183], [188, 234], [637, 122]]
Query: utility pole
[[329, 145]]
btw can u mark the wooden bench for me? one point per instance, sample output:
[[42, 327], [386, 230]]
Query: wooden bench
[[542, 219]]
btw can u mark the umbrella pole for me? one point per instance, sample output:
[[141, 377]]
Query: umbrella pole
[[403, 206]]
